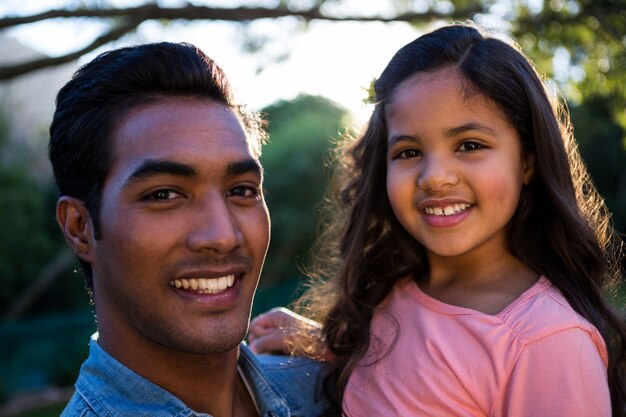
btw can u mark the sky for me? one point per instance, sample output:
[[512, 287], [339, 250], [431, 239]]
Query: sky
[[335, 60]]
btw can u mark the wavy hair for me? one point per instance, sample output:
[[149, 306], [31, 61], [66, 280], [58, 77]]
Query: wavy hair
[[364, 250]]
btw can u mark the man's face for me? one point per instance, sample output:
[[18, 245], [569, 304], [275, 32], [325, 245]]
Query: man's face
[[184, 228]]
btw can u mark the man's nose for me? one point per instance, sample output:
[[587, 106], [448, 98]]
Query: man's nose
[[437, 172], [215, 228]]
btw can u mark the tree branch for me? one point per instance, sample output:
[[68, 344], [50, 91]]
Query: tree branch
[[239, 14], [51, 271], [11, 71], [135, 15], [26, 403]]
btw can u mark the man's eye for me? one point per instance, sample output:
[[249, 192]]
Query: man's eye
[[244, 191], [162, 195]]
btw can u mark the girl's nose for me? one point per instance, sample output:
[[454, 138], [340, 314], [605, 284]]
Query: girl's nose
[[437, 173], [215, 228]]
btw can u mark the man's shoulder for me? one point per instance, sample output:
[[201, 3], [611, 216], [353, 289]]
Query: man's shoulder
[[301, 382], [294, 372], [285, 363], [78, 407]]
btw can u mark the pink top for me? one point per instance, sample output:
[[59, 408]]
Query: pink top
[[536, 358]]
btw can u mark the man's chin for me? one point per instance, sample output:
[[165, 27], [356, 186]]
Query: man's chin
[[216, 342]]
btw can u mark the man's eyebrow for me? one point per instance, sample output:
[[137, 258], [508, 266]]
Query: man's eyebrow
[[152, 167], [242, 167], [468, 127]]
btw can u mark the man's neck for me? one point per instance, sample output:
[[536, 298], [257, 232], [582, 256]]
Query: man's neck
[[205, 383], [245, 405]]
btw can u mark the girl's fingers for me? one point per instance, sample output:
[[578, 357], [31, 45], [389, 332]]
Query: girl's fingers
[[277, 318], [276, 331], [272, 342]]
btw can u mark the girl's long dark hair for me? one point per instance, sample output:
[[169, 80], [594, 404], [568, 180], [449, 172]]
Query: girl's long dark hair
[[561, 228]]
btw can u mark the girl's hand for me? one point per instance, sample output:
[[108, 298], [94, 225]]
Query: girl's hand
[[278, 331]]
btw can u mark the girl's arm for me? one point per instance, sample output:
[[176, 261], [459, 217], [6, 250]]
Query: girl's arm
[[280, 330]]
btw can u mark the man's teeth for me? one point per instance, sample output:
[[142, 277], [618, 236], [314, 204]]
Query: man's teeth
[[447, 210], [204, 285]]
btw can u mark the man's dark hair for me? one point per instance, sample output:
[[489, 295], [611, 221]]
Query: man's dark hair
[[100, 94]]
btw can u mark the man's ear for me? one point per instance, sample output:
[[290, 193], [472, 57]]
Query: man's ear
[[76, 224], [529, 167]]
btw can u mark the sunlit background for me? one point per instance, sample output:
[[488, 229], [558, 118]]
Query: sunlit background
[[310, 80], [337, 60]]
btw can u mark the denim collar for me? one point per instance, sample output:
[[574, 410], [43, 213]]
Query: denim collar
[[270, 402], [111, 389]]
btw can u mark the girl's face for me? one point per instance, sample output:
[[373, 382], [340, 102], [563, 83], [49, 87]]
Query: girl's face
[[455, 165]]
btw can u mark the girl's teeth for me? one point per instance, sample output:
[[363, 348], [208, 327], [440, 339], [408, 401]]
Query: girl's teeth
[[447, 210]]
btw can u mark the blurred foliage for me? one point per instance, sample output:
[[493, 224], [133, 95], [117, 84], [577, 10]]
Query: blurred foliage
[[51, 411], [585, 36], [30, 236], [301, 132], [599, 138], [43, 351], [580, 44]]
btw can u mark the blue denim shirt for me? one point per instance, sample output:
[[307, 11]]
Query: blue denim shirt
[[282, 386]]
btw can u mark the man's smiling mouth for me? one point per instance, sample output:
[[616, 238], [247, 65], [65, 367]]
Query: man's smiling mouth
[[204, 285]]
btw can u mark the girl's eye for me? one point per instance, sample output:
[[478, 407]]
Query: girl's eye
[[244, 191], [408, 153], [470, 146], [162, 195]]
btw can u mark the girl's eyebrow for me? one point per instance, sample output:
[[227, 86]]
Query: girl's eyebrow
[[448, 133], [468, 127], [400, 137]]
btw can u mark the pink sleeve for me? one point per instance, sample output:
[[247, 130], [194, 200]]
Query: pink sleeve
[[563, 374]]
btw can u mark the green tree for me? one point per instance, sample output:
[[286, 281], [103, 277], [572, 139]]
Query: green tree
[[586, 34], [599, 137], [301, 132], [30, 236]]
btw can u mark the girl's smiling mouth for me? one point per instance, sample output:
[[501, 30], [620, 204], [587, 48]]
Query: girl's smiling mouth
[[444, 213], [447, 210]]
